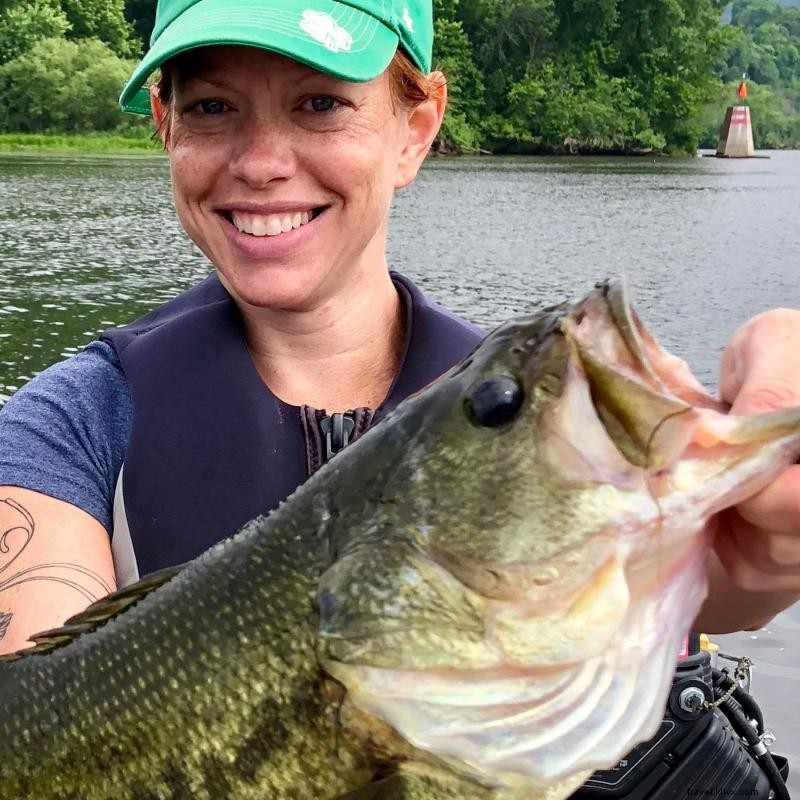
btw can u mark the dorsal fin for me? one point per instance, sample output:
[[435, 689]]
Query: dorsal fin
[[95, 616]]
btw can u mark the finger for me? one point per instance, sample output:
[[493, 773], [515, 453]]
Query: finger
[[776, 508], [731, 369], [760, 368], [747, 575]]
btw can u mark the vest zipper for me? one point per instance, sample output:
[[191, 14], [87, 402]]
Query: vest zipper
[[336, 431]]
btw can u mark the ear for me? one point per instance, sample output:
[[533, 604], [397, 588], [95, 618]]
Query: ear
[[424, 122], [160, 115]]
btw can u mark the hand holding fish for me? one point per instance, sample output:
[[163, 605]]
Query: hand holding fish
[[758, 541]]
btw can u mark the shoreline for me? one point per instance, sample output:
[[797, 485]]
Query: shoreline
[[78, 144], [116, 144]]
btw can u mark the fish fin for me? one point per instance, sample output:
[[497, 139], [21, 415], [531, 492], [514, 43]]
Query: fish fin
[[95, 615]]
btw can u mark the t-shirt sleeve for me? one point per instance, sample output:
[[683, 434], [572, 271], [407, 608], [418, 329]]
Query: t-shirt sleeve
[[65, 433]]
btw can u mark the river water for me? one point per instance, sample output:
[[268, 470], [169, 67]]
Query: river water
[[704, 244]]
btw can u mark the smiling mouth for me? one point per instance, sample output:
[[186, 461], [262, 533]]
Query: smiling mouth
[[264, 225]]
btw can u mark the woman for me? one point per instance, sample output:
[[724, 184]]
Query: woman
[[288, 127]]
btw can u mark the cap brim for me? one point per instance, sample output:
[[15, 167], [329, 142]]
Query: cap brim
[[332, 37]]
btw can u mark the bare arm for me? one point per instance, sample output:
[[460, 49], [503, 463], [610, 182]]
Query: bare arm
[[55, 560]]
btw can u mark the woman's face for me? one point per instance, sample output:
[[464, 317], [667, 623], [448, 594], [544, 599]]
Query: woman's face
[[283, 175]]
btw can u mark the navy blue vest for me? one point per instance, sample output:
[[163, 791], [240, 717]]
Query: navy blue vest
[[211, 447]]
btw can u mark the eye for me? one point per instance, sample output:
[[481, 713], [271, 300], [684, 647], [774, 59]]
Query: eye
[[321, 104], [494, 401], [210, 107]]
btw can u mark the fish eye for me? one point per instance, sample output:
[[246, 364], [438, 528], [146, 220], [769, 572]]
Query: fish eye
[[494, 401]]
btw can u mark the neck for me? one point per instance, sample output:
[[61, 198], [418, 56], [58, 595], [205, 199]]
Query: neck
[[339, 355]]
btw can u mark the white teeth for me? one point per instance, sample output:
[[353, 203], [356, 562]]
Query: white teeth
[[269, 224]]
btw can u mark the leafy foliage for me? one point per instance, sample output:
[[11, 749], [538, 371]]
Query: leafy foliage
[[142, 16], [767, 47], [509, 39], [61, 85], [764, 43], [24, 24], [589, 75], [572, 105], [453, 56], [523, 75], [104, 20]]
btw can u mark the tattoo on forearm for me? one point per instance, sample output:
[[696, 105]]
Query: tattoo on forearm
[[13, 541], [5, 619]]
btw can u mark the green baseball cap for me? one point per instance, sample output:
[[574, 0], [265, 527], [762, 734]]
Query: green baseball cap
[[351, 39]]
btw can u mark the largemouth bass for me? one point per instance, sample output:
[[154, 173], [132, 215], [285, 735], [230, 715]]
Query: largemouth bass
[[482, 598]]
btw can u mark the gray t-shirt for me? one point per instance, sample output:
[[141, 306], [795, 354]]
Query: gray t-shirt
[[65, 433]]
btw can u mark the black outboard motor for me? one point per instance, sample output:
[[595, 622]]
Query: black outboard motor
[[710, 744]]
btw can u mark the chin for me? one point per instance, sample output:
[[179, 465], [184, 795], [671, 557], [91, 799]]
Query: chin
[[275, 288]]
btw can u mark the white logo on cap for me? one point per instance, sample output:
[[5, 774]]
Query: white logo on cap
[[407, 21], [326, 30]]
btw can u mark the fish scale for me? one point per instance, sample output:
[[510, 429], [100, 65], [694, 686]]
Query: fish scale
[[465, 603], [248, 681]]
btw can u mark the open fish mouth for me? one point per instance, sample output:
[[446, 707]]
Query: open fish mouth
[[535, 641], [607, 327]]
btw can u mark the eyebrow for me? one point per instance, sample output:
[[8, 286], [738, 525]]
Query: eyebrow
[[220, 83], [209, 76]]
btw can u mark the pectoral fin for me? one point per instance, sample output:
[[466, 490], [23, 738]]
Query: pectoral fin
[[95, 615]]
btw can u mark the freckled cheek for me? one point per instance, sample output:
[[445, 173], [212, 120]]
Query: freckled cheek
[[191, 177], [194, 180], [366, 179]]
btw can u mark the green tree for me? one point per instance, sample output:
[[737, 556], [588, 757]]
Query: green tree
[[142, 15], [104, 20], [749, 15], [773, 38], [509, 39], [764, 42], [767, 46], [574, 106], [667, 50], [585, 23], [445, 10], [453, 55], [24, 23], [775, 114], [62, 86], [607, 74]]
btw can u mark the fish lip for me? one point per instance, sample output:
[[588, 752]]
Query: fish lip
[[618, 301], [615, 295], [630, 355]]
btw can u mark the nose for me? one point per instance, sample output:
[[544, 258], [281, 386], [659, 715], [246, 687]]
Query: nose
[[264, 153]]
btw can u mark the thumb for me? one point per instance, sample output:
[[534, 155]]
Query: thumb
[[760, 368]]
